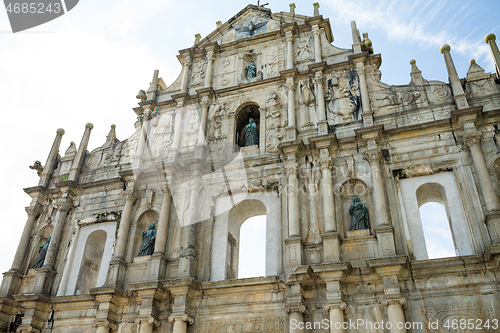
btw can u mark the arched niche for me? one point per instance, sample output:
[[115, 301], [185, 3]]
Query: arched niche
[[143, 222], [78, 250], [349, 189], [40, 238], [440, 188], [91, 262], [243, 115], [226, 234]]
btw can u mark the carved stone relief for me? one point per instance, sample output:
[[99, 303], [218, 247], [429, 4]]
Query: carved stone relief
[[275, 130], [342, 97], [198, 73], [446, 313], [304, 51], [307, 100]]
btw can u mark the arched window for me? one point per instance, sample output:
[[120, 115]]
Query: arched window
[[242, 120], [252, 249], [434, 221], [437, 233], [91, 262]]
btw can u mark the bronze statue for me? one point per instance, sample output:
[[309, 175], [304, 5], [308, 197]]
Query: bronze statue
[[251, 137], [148, 241], [42, 252], [359, 215], [251, 71]]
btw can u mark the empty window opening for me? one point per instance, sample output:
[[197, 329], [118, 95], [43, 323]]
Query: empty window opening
[[252, 249], [91, 262], [436, 223]]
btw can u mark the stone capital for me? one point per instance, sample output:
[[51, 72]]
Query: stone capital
[[165, 189], [472, 138], [315, 29], [64, 206], [181, 317], [34, 209], [289, 36], [150, 321], [325, 163], [339, 305], [290, 83], [296, 308], [104, 323], [318, 76], [360, 68], [291, 168], [130, 194], [395, 301], [373, 155]]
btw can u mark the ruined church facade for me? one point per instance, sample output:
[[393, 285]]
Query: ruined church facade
[[267, 117]]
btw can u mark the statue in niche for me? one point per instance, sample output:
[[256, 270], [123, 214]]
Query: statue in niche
[[304, 50], [359, 215], [148, 241], [251, 137], [366, 44], [251, 71], [42, 252]]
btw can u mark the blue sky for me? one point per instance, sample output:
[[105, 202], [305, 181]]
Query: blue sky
[[88, 65]]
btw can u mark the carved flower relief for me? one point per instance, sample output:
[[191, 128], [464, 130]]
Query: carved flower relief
[[198, 73]]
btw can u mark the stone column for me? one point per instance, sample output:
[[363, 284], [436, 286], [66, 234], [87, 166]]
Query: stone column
[[178, 126], [289, 49], [143, 138], [33, 212], [147, 325], [317, 43], [126, 219], [492, 205], [396, 314], [181, 322], [327, 191], [297, 317], [63, 208], [293, 200], [318, 77], [208, 73], [313, 235], [76, 167], [365, 99], [373, 156], [290, 84], [186, 65], [384, 232], [456, 86], [51, 160], [336, 316], [203, 122], [473, 141], [161, 236]]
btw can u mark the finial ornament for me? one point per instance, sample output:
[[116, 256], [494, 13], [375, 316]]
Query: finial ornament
[[445, 47], [489, 37], [89, 125], [60, 131]]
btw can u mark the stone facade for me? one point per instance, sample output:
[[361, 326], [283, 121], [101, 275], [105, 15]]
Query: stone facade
[[328, 129]]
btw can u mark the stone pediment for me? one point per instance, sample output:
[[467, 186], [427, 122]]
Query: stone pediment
[[249, 22]]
